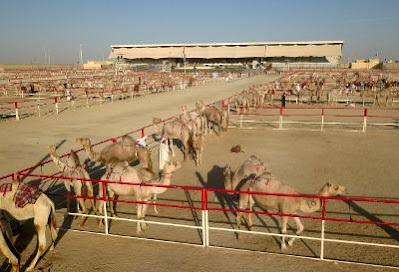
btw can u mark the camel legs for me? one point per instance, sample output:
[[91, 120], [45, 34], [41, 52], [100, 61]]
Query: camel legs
[[186, 149], [141, 211], [245, 202], [170, 142], [91, 194], [284, 231], [154, 198], [41, 237], [112, 205], [81, 201], [68, 188], [298, 231], [14, 260]]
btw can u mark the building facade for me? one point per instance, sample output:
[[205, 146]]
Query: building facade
[[252, 54]]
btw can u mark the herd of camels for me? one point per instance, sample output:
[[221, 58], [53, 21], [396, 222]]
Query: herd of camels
[[189, 128]]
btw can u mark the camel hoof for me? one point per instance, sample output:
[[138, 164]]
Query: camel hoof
[[140, 231], [290, 242], [144, 226], [283, 247]]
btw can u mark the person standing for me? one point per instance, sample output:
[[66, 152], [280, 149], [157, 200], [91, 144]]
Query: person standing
[[283, 100]]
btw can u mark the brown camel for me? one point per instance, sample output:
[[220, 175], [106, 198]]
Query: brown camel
[[175, 129], [213, 116], [125, 150], [266, 183]]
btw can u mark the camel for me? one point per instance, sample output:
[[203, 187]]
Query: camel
[[251, 166], [176, 129], [213, 116], [42, 212], [193, 120], [198, 148], [74, 170], [123, 172], [266, 183], [125, 150]]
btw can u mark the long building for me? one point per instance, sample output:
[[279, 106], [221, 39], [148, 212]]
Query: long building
[[316, 53]]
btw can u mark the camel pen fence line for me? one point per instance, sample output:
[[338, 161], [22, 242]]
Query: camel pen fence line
[[321, 113], [205, 208]]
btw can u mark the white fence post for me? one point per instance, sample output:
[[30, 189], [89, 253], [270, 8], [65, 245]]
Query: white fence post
[[16, 111], [280, 126], [364, 120], [56, 105], [322, 119]]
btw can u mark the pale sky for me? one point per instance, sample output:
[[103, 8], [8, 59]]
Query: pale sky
[[28, 29]]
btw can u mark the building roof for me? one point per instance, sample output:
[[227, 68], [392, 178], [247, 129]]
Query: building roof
[[226, 44]]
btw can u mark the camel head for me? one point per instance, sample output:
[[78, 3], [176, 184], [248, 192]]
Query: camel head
[[227, 175], [171, 167], [332, 189], [156, 120], [52, 150], [183, 108], [84, 141], [200, 105]]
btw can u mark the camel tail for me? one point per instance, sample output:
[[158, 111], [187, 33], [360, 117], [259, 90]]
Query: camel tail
[[53, 220]]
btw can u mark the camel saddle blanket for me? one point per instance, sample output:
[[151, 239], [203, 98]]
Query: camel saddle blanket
[[26, 194]]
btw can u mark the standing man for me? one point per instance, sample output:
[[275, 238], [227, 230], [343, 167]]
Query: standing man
[[283, 100]]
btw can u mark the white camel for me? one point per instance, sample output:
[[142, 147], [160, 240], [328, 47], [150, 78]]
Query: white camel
[[73, 169], [42, 212], [266, 183], [123, 172]]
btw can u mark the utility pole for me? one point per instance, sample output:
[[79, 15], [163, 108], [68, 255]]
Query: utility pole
[[81, 54]]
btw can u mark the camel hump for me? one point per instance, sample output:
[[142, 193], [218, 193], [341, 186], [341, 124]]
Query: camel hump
[[127, 140]]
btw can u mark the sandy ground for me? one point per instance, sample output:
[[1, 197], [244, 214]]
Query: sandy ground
[[25, 143], [365, 163]]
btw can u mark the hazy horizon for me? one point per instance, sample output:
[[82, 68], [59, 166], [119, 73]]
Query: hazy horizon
[[32, 30]]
